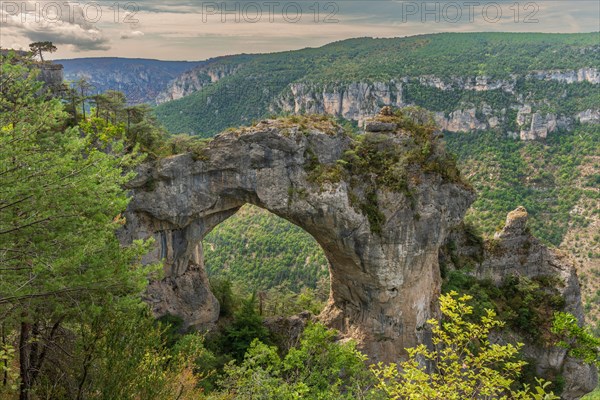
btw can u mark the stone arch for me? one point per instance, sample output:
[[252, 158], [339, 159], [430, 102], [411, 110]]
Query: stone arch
[[384, 282]]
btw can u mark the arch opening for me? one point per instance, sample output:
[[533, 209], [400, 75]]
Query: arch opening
[[255, 251]]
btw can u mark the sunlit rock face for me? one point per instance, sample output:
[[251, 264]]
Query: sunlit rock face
[[361, 100], [384, 282], [357, 101]]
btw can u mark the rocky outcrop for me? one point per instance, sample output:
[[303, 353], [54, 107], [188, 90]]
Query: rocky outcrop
[[535, 125], [460, 121], [286, 331], [384, 282], [355, 101], [591, 75], [477, 83], [184, 290], [515, 252], [589, 117], [51, 74]]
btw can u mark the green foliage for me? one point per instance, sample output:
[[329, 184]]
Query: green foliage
[[525, 305], [595, 395], [578, 340], [247, 326], [485, 292], [222, 288], [61, 199], [113, 120], [172, 328], [389, 159], [39, 48], [178, 144], [319, 368], [125, 357], [70, 291], [283, 301], [201, 361], [542, 176], [370, 208], [464, 362], [8, 370], [263, 251]]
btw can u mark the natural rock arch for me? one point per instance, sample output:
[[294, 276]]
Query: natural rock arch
[[382, 243]]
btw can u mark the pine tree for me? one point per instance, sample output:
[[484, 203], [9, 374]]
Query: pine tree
[[60, 204]]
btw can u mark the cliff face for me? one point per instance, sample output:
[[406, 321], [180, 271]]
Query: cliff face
[[359, 101], [384, 282], [51, 74], [591, 75], [355, 101], [514, 252]]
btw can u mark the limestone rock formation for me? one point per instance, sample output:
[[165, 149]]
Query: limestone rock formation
[[460, 121], [356, 101], [287, 330], [51, 74], [515, 252], [382, 243], [359, 101], [535, 125], [589, 116], [591, 75]]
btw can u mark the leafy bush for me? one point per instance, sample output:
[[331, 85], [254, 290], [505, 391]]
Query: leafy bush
[[319, 368], [464, 363], [579, 341]]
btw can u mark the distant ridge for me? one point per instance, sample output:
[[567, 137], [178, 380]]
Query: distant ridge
[[140, 79]]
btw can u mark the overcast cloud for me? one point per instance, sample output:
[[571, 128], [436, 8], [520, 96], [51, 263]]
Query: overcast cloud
[[64, 25], [196, 30]]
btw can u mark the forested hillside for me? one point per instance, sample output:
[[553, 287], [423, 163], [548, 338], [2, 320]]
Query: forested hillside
[[548, 178], [496, 75]]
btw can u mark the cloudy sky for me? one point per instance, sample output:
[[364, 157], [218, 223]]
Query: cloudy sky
[[196, 30]]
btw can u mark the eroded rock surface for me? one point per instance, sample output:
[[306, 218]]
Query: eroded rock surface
[[384, 282]]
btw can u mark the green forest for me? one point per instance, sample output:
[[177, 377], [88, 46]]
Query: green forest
[[73, 323], [544, 177], [249, 93]]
